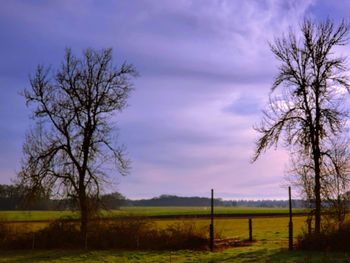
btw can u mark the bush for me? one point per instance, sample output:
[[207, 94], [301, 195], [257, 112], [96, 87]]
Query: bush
[[184, 235], [127, 233], [11, 236], [330, 239], [143, 234], [59, 234], [5, 232]]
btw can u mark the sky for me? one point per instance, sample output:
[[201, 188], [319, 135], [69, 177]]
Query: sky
[[205, 74]]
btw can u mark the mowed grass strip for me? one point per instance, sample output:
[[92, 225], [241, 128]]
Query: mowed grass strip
[[173, 211], [14, 216], [142, 211]]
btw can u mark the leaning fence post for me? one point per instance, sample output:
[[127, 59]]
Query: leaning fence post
[[211, 228], [290, 220], [250, 229]]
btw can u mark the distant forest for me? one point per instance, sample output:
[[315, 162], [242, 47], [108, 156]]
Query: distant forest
[[173, 200], [18, 198], [15, 197]]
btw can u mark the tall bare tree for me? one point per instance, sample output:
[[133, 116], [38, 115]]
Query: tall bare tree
[[308, 109], [73, 141]]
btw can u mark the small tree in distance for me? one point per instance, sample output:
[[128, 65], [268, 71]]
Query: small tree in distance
[[73, 141], [308, 111], [335, 179]]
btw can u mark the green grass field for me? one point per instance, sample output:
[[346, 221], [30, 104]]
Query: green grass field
[[141, 211], [159, 211], [270, 234]]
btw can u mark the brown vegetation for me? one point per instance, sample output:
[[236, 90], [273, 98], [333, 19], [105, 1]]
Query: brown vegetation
[[135, 233], [331, 238]]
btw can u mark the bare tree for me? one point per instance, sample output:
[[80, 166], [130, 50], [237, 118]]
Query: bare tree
[[336, 178], [74, 142], [312, 82]]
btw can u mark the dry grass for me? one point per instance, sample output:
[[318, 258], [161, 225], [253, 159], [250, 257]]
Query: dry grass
[[135, 233]]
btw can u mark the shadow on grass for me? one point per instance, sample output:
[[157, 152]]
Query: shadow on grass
[[309, 256], [239, 255], [31, 256], [248, 256], [277, 255]]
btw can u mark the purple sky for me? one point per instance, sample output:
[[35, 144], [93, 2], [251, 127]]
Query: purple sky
[[205, 74]]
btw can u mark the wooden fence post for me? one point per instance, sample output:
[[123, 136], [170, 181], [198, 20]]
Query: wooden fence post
[[211, 228], [250, 229], [290, 220]]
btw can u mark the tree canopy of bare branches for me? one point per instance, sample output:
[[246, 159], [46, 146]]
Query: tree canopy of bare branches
[[309, 108], [74, 139]]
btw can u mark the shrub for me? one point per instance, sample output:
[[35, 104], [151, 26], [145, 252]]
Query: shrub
[[127, 233], [5, 232], [143, 234], [330, 239], [12, 236], [185, 235], [59, 234]]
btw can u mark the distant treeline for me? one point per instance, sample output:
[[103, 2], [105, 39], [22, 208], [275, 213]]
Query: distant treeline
[[14, 197], [173, 200]]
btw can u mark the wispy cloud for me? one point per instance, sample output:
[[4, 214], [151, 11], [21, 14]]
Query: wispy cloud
[[206, 71]]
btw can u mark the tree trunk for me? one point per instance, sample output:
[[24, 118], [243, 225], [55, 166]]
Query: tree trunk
[[317, 158], [83, 217], [317, 194]]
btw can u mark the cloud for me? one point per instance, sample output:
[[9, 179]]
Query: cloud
[[205, 73]]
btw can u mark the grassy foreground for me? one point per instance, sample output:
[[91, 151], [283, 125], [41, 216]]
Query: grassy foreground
[[142, 211], [255, 253], [270, 235], [270, 246]]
